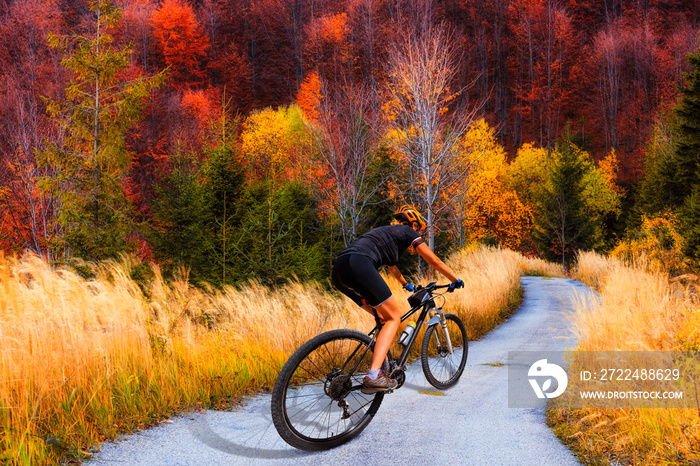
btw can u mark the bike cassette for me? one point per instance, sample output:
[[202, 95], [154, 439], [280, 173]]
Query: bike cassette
[[337, 386]]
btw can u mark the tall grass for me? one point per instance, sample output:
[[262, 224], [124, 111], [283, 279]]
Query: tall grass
[[83, 360], [534, 266], [640, 310], [491, 287]]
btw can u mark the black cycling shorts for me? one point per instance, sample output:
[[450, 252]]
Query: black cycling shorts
[[357, 278]]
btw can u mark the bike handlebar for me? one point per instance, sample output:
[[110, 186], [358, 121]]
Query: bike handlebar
[[432, 286]]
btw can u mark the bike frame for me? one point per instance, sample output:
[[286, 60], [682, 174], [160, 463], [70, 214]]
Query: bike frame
[[427, 305]]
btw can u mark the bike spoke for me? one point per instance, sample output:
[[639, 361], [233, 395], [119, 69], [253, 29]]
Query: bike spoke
[[366, 402], [325, 414], [442, 368], [307, 407], [447, 367], [311, 412], [313, 422]]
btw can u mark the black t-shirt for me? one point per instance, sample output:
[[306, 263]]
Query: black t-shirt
[[384, 245]]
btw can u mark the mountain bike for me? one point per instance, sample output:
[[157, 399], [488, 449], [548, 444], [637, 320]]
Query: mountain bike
[[317, 403]]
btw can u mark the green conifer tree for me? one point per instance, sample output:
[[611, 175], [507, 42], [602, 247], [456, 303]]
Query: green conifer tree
[[89, 169], [281, 236], [687, 179], [178, 226], [224, 182], [688, 147], [690, 228], [563, 225], [658, 190]]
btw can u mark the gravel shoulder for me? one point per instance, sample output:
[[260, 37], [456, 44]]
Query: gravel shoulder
[[467, 424]]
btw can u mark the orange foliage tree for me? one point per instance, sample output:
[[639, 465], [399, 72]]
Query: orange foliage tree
[[309, 96], [328, 47], [182, 42], [496, 213], [487, 209]]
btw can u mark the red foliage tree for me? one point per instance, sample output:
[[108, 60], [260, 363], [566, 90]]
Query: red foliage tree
[[29, 70], [137, 29], [543, 41], [182, 42]]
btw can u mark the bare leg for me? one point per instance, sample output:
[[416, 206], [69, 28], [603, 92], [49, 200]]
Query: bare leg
[[390, 314]]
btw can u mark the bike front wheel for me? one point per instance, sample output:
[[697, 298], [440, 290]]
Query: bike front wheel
[[442, 368], [316, 402]]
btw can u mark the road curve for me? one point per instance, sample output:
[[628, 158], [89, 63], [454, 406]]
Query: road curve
[[467, 424]]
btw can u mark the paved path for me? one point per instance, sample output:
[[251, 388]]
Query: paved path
[[470, 424]]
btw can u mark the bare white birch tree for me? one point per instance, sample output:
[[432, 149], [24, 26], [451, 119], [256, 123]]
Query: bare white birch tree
[[346, 149], [425, 121], [31, 212]]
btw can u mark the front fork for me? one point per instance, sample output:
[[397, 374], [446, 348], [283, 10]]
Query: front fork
[[438, 316]]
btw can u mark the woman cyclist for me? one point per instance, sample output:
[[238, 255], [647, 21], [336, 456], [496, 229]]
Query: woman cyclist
[[355, 275]]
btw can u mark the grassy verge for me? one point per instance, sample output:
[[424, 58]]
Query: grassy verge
[[640, 310], [82, 361], [492, 288], [535, 267]]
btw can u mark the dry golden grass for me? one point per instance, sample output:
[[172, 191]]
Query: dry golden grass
[[491, 287], [83, 360], [592, 269], [539, 267], [640, 310]]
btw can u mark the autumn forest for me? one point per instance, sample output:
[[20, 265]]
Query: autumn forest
[[177, 176], [254, 139]]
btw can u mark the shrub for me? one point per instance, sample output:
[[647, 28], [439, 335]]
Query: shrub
[[657, 246]]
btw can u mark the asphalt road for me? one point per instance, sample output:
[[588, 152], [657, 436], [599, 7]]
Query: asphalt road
[[470, 423]]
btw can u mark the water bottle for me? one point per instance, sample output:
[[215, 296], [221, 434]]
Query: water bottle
[[407, 332]]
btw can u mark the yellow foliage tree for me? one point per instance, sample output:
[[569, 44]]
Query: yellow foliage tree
[[271, 142], [488, 209], [480, 148], [528, 172], [657, 245]]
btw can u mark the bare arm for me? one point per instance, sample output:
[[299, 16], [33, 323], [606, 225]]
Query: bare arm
[[435, 262], [396, 274]]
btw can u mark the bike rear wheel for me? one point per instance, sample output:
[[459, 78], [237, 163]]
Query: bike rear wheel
[[316, 402], [442, 368]]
